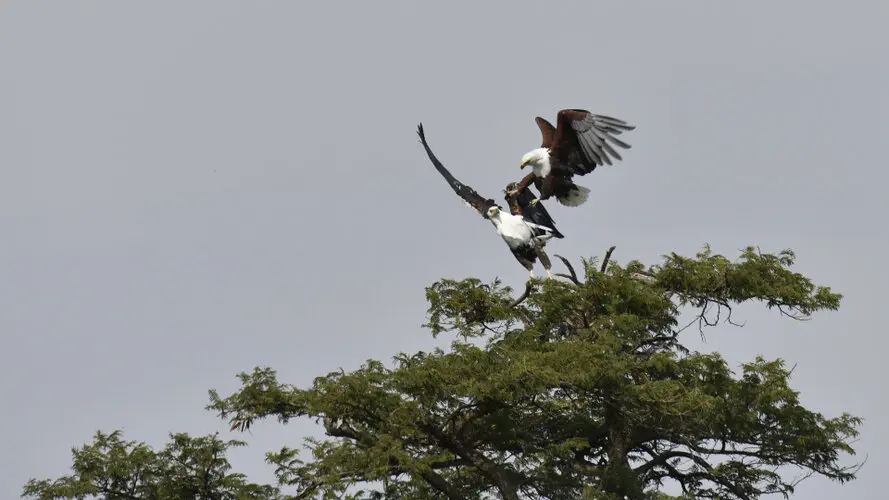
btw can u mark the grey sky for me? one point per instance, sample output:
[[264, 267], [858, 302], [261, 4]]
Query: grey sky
[[168, 169]]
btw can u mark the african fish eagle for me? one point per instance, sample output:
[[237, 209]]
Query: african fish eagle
[[575, 146], [526, 228]]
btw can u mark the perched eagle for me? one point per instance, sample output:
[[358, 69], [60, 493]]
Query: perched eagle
[[575, 146], [525, 229]]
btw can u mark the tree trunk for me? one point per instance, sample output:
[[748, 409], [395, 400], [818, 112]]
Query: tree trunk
[[619, 478]]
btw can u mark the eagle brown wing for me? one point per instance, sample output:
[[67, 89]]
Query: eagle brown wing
[[472, 198], [581, 141], [547, 132]]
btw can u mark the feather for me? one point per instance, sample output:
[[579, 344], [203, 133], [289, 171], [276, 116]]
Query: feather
[[470, 197], [584, 137]]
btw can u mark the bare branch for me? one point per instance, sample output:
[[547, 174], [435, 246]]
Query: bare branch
[[661, 459], [790, 313], [606, 259], [528, 287], [573, 276]]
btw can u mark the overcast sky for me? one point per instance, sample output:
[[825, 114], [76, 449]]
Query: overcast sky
[[192, 189]]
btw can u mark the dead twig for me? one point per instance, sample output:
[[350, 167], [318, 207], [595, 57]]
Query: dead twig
[[573, 276], [605, 260], [528, 287]]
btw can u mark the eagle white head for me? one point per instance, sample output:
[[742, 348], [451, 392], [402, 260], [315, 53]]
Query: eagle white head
[[493, 212], [539, 161]]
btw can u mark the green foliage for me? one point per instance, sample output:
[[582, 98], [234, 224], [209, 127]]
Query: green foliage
[[467, 306], [583, 389], [188, 467]]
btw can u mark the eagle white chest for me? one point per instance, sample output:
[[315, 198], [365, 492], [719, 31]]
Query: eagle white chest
[[542, 168], [541, 163], [513, 229]]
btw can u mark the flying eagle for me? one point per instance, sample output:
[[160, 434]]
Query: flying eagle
[[525, 229], [575, 146]]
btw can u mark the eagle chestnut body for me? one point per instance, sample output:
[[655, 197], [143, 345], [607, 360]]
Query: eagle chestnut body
[[576, 146]]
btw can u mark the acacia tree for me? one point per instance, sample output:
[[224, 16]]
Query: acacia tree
[[581, 387], [187, 467]]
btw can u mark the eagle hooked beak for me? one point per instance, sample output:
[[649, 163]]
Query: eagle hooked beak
[[524, 164]]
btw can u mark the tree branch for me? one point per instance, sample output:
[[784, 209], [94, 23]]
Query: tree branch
[[434, 479], [606, 259], [657, 339], [507, 481], [661, 459], [528, 287], [573, 276], [439, 483]]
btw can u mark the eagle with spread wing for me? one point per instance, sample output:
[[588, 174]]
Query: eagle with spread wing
[[575, 146], [527, 226]]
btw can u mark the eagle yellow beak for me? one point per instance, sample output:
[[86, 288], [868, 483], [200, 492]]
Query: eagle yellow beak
[[523, 165]]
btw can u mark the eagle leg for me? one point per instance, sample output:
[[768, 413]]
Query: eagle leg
[[525, 261], [522, 185], [544, 259]]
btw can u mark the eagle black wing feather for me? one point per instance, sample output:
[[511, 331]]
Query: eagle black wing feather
[[469, 195], [594, 131], [582, 140]]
